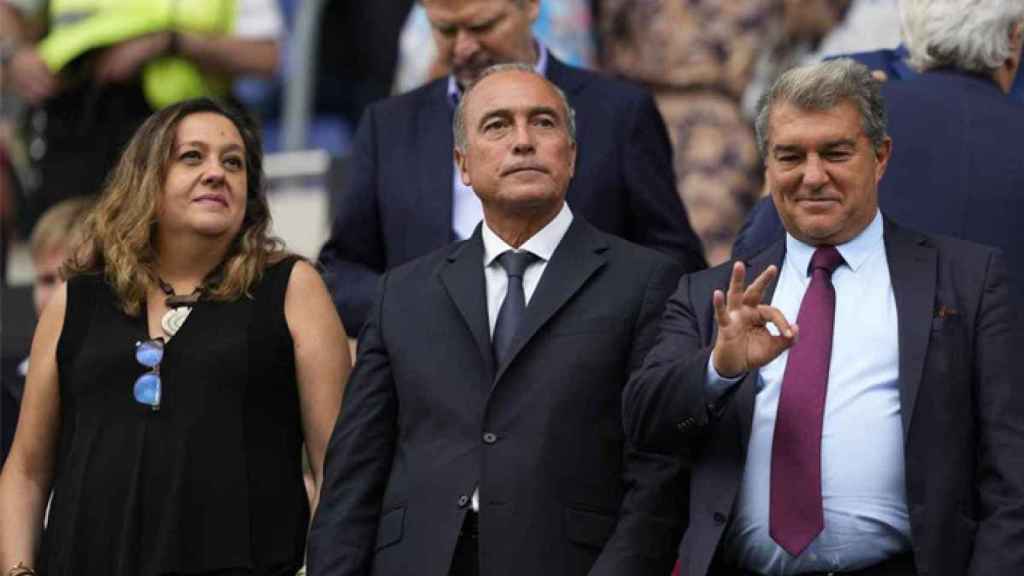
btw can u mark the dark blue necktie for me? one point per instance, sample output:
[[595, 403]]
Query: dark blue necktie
[[513, 308]]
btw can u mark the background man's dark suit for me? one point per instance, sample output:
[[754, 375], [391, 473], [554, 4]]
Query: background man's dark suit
[[957, 169], [556, 481], [399, 202], [961, 406]]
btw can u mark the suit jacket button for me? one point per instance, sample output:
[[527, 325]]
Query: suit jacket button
[[490, 438], [719, 518], [463, 501]]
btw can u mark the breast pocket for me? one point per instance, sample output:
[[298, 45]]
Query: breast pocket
[[588, 528], [389, 531], [591, 325]]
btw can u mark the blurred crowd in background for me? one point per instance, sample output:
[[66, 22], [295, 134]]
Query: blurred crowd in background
[[706, 62]]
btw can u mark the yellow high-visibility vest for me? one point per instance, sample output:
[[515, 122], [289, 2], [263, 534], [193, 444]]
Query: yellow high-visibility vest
[[77, 26]]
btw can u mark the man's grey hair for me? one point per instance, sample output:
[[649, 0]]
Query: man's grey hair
[[970, 35], [459, 123], [824, 86]]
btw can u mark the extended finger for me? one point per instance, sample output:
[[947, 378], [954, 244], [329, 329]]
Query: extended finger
[[775, 316], [755, 292], [736, 286], [721, 314]]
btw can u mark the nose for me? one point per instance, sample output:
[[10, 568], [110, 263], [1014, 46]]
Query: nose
[[814, 172], [523, 143], [214, 174], [466, 45]]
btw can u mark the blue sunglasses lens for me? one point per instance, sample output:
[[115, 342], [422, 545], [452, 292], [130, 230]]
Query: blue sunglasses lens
[[149, 353], [147, 389]]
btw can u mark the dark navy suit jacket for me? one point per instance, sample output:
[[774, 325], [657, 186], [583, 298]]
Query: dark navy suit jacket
[[398, 205], [428, 415], [957, 167], [961, 405]]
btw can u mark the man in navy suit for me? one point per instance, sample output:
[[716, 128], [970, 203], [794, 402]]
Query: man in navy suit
[[404, 197], [861, 413], [481, 431], [960, 170]]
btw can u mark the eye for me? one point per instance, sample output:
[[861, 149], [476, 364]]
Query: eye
[[837, 155], [544, 121], [191, 156], [481, 29], [446, 31], [234, 162], [787, 158], [494, 125]]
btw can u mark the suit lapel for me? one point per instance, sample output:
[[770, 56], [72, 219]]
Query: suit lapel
[[912, 270], [436, 165], [463, 278], [578, 256], [744, 401]]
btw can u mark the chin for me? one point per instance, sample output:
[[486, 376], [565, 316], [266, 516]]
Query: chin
[[216, 229]]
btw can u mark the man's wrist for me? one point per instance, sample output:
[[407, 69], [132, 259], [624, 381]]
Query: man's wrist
[[727, 372]]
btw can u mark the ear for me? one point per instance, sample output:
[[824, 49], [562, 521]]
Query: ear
[[1016, 47], [882, 156], [572, 160], [461, 165], [532, 8]]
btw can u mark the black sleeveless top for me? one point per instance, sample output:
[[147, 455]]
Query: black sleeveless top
[[213, 480]]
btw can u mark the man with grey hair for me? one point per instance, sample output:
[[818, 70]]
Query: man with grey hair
[[404, 196], [959, 169], [481, 431], [853, 408]]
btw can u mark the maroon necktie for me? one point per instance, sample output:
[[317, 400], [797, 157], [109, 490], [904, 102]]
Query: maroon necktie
[[795, 513]]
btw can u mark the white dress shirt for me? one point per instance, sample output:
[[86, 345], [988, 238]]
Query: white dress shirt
[[542, 244], [862, 466]]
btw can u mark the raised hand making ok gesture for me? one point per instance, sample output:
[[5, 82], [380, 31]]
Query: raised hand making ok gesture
[[744, 342]]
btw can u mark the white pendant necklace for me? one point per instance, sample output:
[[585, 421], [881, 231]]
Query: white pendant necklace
[[178, 308]]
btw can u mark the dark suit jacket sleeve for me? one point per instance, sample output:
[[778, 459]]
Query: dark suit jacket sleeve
[[664, 405], [651, 518], [358, 460], [999, 541], [761, 229], [659, 219], [354, 256]]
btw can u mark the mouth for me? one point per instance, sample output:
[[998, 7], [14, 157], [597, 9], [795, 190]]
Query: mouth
[[816, 202], [526, 168], [211, 199]]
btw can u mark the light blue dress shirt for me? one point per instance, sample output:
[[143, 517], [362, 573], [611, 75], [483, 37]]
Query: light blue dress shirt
[[862, 480], [466, 209]]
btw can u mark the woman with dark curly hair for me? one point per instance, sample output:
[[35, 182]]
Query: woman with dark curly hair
[[177, 374]]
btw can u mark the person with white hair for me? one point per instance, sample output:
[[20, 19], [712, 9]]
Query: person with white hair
[[959, 170]]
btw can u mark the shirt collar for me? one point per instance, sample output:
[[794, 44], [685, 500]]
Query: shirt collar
[[854, 253], [542, 244], [455, 93]]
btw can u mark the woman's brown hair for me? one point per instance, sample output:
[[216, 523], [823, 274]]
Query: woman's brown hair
[[119, 232]]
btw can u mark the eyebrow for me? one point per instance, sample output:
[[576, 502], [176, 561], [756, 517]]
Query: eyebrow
[[201, 144], [826, 146], [508, 112]]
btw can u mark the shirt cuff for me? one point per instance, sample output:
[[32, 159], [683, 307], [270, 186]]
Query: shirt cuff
[[716, 385]]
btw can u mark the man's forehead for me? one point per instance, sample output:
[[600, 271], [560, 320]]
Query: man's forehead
[[512, 90], [841, 121], [464, 11]]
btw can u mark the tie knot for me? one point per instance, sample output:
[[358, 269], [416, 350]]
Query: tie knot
[[515, 262], [826, 258]]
